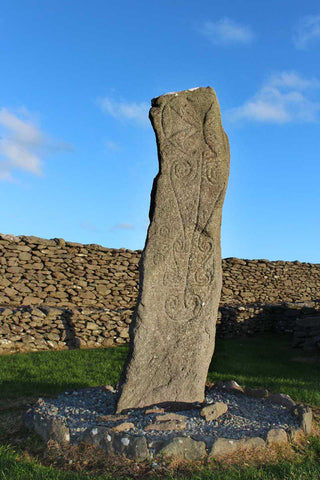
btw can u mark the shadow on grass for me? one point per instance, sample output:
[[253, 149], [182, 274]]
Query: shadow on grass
[[51, 372], [267, 361]]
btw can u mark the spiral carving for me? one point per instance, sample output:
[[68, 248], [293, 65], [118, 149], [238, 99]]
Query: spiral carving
[[179, 246], [203, 277], [209, 167], [164, 231], [182, 170], [205, 244]]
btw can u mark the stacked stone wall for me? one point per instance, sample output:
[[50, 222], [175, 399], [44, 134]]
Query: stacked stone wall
[[56, 294]]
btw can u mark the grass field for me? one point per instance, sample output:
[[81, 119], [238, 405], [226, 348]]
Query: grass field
[[266, 361]]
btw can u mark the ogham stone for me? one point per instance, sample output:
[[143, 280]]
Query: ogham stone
[[173, 329]]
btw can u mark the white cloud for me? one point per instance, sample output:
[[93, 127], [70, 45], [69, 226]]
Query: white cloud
[[23, 144], [122, 226], [89, 226], [284, 97], [135, 112], [307, 31], [227, 32], [113, 146]]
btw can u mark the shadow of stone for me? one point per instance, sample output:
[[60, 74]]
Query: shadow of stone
[[71, 339], [260, 319]]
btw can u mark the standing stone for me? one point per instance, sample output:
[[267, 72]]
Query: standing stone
[[173, 329]]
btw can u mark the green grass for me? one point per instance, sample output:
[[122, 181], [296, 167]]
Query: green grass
[[51, 372], [267, 361]]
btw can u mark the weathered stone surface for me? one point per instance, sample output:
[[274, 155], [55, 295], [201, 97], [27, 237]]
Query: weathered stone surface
[[171, 416], [51, 429], [226, 446], [230, 386], [180, 281], [184, 448], [256, 392], [250, 287], [212, 412], [282, 399], [304, 415], [154, 410], [131, 446], [277, 436], [123, 426], [113, 443], [169, 425], [112, 418]]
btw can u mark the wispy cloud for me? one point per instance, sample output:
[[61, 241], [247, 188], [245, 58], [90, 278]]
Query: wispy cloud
[[226, 32], [122, 226], [123, 110], [23, 144], [89, 227], [113, 146], [307, 32], [283, 98]]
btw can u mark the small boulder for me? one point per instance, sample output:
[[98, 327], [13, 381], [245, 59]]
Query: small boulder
[[282, 399], [256, 392], [304, 415], [51, 429], [123, 426], [112, 418], [230, 386], [154, 410], [133, 447], [277, 436], [171, 416], [184, 448], [214, 411], [225, 446]]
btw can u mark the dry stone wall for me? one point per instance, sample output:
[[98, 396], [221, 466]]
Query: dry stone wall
[[56, 294]]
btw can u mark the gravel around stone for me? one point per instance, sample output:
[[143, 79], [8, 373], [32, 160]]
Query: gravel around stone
[[85, 411]]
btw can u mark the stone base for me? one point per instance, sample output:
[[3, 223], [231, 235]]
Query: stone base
[[232, 418]]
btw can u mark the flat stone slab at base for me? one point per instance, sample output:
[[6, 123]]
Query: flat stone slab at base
[[247, 423]]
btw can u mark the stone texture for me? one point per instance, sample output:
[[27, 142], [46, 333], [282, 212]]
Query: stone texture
[[51, 429], [123, 426], [131, 446], [282, 399], [226, 446], [230, 386], [112, 418], [212, 412], [170, 425], [304, 415], [171, 416], [174, 325], [257, 296], [276, 436], [184, 448], [256, 392], [148, 411], [307, 334]]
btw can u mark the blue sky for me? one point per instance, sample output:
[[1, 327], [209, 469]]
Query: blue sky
[[78, 153]]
